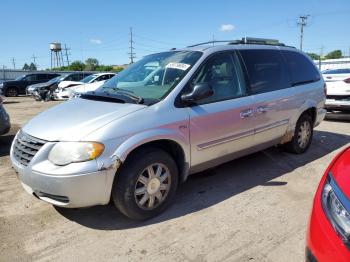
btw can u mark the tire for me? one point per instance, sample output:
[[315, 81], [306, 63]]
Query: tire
[[11, 92], [140, 193], [302, 135]]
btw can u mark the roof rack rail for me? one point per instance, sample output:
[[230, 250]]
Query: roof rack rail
[[257, 41], [244, 40], [211, 42]]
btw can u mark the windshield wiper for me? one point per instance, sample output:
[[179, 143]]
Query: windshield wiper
[[128, 93]]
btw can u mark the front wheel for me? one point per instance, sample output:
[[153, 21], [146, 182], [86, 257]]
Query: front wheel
[[146, 184], [302, 135], [11, 92]]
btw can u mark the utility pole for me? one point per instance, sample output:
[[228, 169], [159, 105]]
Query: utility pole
[[34, 59], [3, 71], [14, 63], [302, 23], [66, 50], [132, 53], [319, 59]]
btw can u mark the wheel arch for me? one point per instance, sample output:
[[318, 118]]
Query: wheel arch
[[308, 107], [172, 143]]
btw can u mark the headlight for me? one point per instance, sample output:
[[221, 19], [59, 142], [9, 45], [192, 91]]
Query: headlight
[[64, 153], [336, 206]]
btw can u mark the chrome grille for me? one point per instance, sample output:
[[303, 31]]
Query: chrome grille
[[25, 147]]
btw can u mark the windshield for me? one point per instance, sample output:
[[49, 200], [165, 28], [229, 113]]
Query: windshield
[[153, 76], [56, 79], [88, 79], [20, 77]]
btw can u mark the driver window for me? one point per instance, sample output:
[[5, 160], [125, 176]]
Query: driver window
[[223, 73]]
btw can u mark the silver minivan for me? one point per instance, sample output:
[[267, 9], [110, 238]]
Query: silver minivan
[[171, 114]]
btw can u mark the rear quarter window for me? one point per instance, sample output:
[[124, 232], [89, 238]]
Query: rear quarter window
[[301, 69], [266, 70]]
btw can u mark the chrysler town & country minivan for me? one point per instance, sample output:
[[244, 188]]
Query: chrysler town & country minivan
[[167, 116]]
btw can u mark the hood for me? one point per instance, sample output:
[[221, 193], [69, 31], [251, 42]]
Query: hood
[[64, 84], [39, 85], [11, 82], [87, 87], [76, 118]]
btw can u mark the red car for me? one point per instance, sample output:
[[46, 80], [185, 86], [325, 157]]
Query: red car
[[328, 234]]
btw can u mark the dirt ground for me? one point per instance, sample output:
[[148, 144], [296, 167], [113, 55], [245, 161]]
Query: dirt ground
[[252, 209]]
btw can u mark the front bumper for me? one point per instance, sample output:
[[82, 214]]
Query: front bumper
[[75, 185], [5, 124], [61, 95], [322, 240]]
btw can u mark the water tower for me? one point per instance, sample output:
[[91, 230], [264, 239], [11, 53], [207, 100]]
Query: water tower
[[56, 55]]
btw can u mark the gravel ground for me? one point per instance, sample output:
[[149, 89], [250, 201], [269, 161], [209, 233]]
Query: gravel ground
[[251, 209]]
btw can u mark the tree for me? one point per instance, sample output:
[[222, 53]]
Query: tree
[[91, 64], [77, 66], [334, 54], [25, 67], [32, 67], [118, 69], [313, 56]]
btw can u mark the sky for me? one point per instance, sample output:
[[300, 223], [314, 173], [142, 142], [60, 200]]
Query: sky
[[100, 29]]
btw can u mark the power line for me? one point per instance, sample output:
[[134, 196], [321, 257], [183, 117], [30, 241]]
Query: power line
[[302, 23], [131, 53]]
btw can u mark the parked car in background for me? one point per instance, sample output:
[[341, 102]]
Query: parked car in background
[[51, 84], [18, 86], [65, 89], [338, 89], [4, 119], [91, 83], [145, 130], [73, 80], [328, 234]]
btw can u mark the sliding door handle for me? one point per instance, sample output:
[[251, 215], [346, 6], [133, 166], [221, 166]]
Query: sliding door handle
[[246, 113]]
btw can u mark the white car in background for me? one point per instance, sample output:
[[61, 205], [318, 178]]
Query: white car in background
[[338, 89], [80, 89], [66, 89]]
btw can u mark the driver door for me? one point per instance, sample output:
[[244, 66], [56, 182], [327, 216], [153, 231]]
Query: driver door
[[221, 124]]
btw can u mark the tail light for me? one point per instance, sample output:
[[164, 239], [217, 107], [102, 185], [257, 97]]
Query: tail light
[[325, 89], [347, 80]]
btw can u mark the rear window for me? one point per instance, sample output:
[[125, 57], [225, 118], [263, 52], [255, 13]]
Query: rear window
[[266, 70], [301, 69]]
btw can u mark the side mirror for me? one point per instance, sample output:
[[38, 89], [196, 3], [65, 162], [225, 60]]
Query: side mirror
[[200, 91]]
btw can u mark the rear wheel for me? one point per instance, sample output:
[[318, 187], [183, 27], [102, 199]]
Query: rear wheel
[[146, 184], [302, 135], [11, 91]]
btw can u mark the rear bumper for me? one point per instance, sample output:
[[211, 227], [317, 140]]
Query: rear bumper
[[321, 114], [337, 104]]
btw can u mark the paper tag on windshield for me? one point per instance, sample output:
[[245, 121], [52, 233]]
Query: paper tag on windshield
[[180, 66]]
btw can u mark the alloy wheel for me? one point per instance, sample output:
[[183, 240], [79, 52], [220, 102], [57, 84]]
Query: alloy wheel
[[152, 186]]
